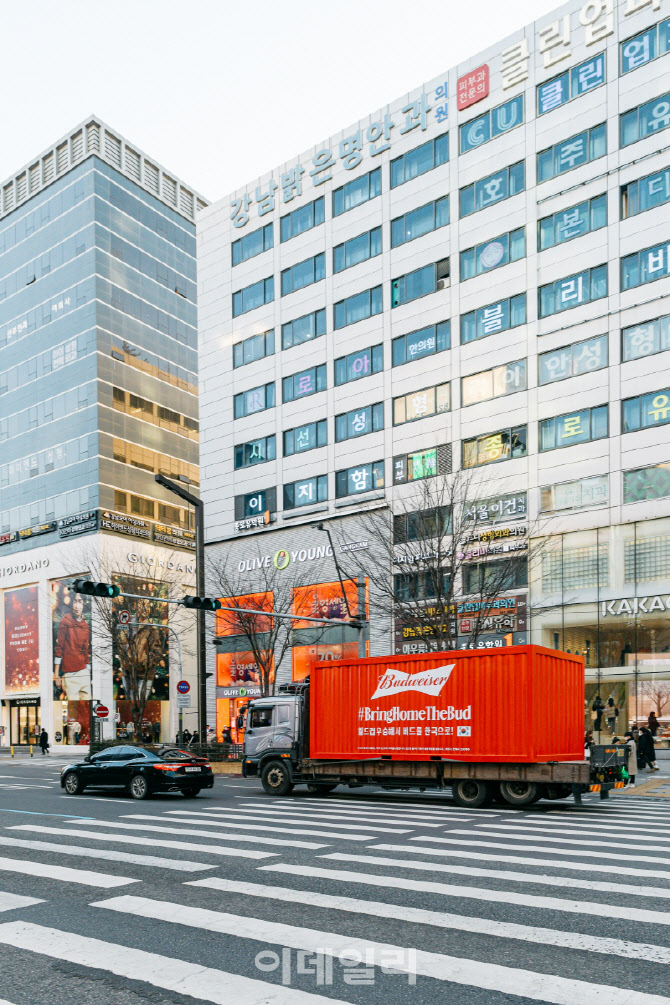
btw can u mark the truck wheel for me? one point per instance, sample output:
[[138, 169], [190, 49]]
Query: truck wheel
[[520, 793], [471, 792], [276, 779], [556, 791], [320, 788]]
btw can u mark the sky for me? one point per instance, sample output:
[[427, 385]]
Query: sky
[[221, 91]]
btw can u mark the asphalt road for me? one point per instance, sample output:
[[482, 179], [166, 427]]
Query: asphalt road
[[359, 896]]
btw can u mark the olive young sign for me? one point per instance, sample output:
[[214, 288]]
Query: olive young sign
[[283, 558]]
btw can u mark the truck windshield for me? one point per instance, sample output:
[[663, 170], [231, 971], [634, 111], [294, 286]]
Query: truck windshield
[[260, 717]]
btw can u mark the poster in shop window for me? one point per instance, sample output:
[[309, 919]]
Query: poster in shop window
[[22, 665], [71, 634]]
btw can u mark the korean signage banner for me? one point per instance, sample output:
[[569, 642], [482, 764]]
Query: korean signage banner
[[324, 600], [22, 665]]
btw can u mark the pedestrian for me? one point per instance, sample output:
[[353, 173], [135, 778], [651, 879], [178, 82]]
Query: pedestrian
[[632, 758], [654, 724], [195, 738], [588, 744], [186, 737], [44, 741], [646, 750], [226, 736], [156, 729], [597, 710], [611, 713]]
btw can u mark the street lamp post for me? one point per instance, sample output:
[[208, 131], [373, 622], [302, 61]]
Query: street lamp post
[[199, 508]]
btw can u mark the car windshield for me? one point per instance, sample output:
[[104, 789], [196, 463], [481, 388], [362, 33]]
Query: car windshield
[[173, 754]]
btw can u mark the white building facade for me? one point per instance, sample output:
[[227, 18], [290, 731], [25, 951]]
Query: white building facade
[[477, 274]]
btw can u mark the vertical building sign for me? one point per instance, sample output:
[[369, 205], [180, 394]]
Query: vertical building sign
[[22, 665], [472, 87]]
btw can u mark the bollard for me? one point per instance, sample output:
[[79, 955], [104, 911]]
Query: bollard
[[31, 750], [12, 750]]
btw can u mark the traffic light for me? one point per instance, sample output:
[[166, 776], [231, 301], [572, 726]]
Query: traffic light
[[95, 589], [201, 603]]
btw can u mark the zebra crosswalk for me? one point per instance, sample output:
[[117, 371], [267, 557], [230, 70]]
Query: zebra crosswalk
[[314, 900]]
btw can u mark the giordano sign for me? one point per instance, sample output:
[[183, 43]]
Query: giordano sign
[[283, 558]]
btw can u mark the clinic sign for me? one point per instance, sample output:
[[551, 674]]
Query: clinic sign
[[633, 605], [472, 87]]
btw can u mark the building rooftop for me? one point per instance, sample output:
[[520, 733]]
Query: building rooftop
[[93, 137]]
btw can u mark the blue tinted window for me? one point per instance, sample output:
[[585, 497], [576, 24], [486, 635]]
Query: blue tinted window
[[358, 307], [420, 221], [359, 422], [573, 222], [357, 249], [255, 452], [303, 329], [361, 478], [312, 270], [253, 296], [573, 291], [252, 244], [645, 120], [420, 343], [356, 192], [491, 124], [359, 364], [300, 220], [307, 437], [574, 427], [493, 188], [570, 153], [256, 347], [423, 158], [306, 492]]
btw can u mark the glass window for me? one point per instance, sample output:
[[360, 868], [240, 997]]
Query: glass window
[[306, 492], [358, 422], [501, 380], [494, 188], [491, 124], [302, 384], [495, 577], [423, 158], [572, 360], [253, 504], [580, 79], [575, 495], [253, 296], [358, 249], [573, 222], [255, 452], [255, 400], [579, 149], [422, 464], [418, 283], [307, 437], [361, 478], [256, 347], [252, 244], [645, 266], [646, 483], [493, 447], [645, 120], [359, 364], [645, 411], [419, 404], [303, 329], [423, 342], [649, 192], [501, 250], [493, 318], [644, 47], [646, 339], [573, 291], [356, 192], [312, 270], [300, 220], [357, 308], [574, 427], [421, 525], [420, 221]]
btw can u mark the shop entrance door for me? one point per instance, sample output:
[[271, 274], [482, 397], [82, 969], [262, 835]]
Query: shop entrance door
[[25, 724]]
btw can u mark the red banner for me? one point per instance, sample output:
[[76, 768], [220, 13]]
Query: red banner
[[22, 647]]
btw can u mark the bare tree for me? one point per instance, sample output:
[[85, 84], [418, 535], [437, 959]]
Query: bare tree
[[276, 589], [137, 646], [449, 549], [657, 691]]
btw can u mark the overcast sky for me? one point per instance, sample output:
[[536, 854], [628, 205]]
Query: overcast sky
[[220, 91]]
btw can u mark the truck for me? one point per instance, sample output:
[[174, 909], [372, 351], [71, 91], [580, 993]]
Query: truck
[[503, 724]]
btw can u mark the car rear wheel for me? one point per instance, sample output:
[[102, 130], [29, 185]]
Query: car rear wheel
[[471, 792], [72, 784], [139, 787], [520, 793], [190, 793], [320, 788], [276, 779]]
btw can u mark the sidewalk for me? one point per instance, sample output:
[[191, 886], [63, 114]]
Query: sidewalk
[[74, 752]]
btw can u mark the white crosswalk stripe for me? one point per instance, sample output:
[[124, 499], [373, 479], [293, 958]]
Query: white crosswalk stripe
[[62, 874], [308, 816], [204, 849], [492, 977], [61, 848], [246, 838], [210, 820], [582, 852], [190, 979], [330, 808], [483, 926], [556, 837]]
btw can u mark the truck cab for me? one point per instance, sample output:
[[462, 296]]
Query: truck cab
[[273, 741]]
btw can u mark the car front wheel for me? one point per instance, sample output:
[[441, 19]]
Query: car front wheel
[[139, 787], [72, 784]]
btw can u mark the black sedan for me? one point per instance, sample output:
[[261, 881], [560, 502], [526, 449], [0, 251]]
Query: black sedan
[[140, 771]]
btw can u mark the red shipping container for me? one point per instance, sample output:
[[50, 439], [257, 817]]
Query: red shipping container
[[521, 704]]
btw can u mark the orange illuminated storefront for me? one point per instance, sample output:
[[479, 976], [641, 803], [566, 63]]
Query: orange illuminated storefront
[[323, 600], [237, 673]]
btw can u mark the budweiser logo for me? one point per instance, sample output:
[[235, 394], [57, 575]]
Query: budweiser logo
[[428, 681]]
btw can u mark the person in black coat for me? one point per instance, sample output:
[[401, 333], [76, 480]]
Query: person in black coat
[[44, 741], [598, 707], [646, 750]]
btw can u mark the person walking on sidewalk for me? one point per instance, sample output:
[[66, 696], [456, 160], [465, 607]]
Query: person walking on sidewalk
[[629, 740], [44, 741], [653, 723], [611, 713], [646, 750], [597, 709]]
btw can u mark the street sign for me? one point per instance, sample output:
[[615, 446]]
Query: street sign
[[101, 711], [124, 617], [117, 717], [183, 701], [183, 687]]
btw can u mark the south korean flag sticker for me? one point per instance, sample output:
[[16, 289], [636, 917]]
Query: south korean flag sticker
[[463, 730]]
